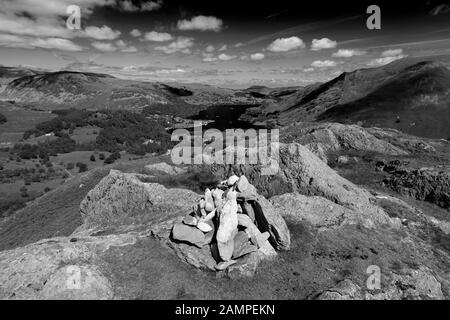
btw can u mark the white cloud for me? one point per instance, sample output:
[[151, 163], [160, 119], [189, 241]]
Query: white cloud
[[101, 33], [135, 33], [392, 53], [308, 70], [129, 6], [257, 56], [286, 44], [323, 64], [104, 46], [324, 43], [56, 43], [223, 48], [225, 57], [158, 36], [202, 23], [182, 44], [347, 53], [124, 47], [387, 56], [210, 48]]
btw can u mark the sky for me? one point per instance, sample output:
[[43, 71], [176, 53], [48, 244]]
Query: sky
[[229, 43]]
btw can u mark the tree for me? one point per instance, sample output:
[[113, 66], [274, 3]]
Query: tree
[[70, 166], [101, 156], [93, 158]]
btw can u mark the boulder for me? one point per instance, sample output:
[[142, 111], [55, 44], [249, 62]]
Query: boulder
[[317, 211], [189, 234], [123, 198], [269, 219]]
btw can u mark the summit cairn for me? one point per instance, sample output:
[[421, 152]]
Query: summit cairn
[[234, 225]]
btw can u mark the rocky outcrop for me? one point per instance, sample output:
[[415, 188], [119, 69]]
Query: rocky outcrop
[[125, 198], [163, 168], [408, 284], [303, 172], [317, 211], [426, 184], [324, 138], [59, 268]]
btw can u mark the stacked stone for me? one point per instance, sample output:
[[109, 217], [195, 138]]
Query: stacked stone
[[225, 220]]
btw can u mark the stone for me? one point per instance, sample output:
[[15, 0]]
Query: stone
[[249, 194], [232, 180], [260, 239], [204, 227], [228, 220], [242, 184], [190, 220], [184, 233], [124, 199], [77, 282], [248, 210], [269, 219], [223, 265], [242, 245], [209, 201], [226, 249]]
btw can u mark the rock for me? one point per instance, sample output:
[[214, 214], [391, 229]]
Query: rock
[[242, 246], [223, 265], [249, 194], [77, 282], [344, 290], [190, 220], [266, 249], [324, 138], [248, 210], [41, 270], [260, 239], [232, 180], [245, 267], [218, 197], [192, 235], [228, 221], [269, 219], [242, 184], [226, 249], [343, 160], [318, 211], [163, 168], [122, 198], [204, 227], [209, 201]]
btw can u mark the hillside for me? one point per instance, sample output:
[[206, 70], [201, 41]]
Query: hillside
[[409, 95], [82, 90]]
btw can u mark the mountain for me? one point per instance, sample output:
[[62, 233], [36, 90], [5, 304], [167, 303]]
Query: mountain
[[409, 95], [8, 74], [69, 89]]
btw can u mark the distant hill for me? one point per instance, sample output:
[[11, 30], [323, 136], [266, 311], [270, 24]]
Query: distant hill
[[409, 95], [8, 74], [83, 90]]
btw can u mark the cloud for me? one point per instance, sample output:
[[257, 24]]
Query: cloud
[[104, 46], [101, 33], [158, 36], [387, 57], [135, 33], [210, 48], [392, 53], [348, 53], [323, 64], [257, 56], [223, 48], [129, 6], [324, 43], [124, 47], [308, 70], [286, 44], [201, 23], [182, 44], [225, 57], [14, 41]]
